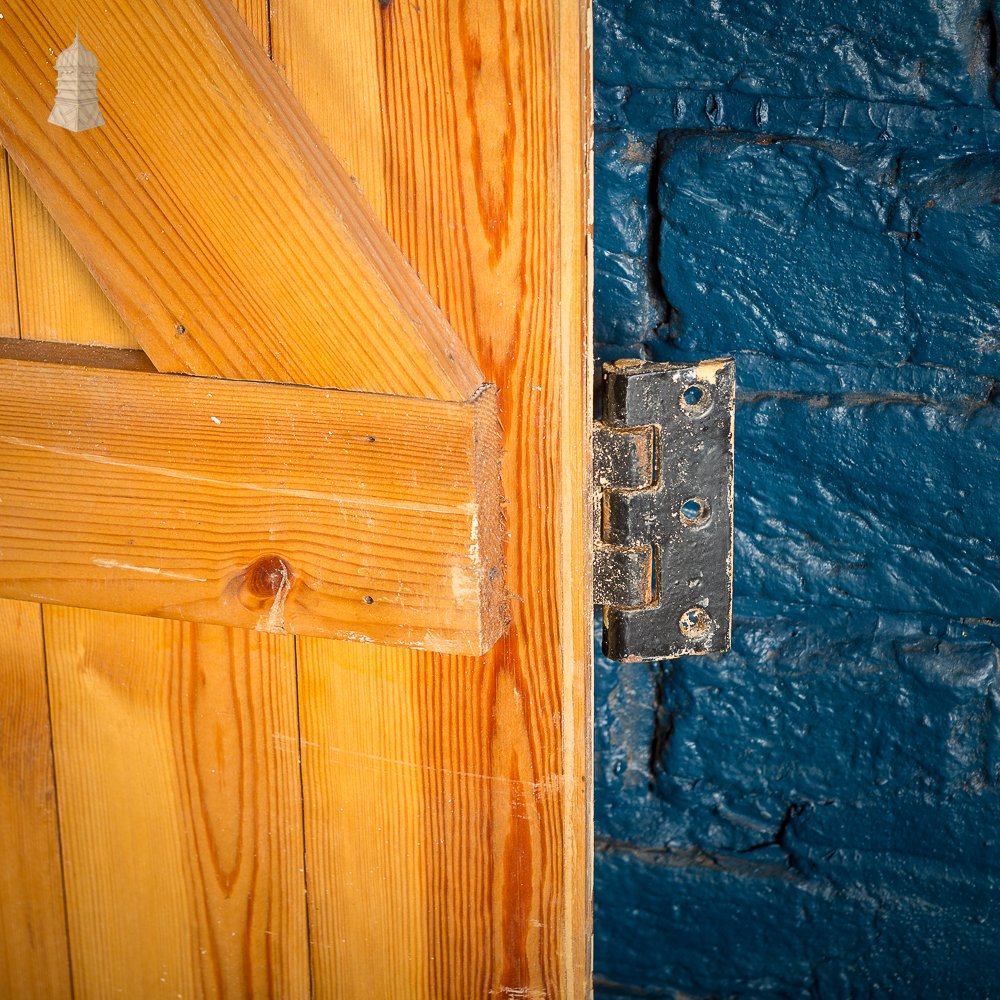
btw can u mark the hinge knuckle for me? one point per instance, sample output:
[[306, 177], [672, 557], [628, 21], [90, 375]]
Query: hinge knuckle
[[663, 480], [623, 459], [623, 577], [628, 517]]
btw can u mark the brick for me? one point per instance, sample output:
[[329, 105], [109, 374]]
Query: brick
[[621, 192], [625, 307], [810, 252], [839, 724], [670, 929], [910, 51], [869, 502]]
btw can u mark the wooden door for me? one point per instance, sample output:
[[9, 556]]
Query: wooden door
[[192, 810]]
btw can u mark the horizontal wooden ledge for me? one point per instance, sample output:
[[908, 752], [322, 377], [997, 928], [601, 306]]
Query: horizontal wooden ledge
[[280, 508]]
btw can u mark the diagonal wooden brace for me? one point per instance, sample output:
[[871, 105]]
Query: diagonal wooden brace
[[231, 240]]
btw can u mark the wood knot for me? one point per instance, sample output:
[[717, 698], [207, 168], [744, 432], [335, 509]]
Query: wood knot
[[264, 581]]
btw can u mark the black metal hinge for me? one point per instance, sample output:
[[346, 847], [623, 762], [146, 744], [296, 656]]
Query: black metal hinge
[[663, 511]]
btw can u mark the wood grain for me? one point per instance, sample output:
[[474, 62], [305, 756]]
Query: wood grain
[[176, 747], [236, 935], [469, 804], [370, 890], [272, 507], [34, 963], [280, 271], [9, 325], [257, 15], [351, 84], [59, 299]]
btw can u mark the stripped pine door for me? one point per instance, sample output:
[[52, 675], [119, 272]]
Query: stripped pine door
[[224, 813]]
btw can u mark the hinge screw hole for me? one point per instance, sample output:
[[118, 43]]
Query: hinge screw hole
[[695, 623], [695, 512], [695, 400]]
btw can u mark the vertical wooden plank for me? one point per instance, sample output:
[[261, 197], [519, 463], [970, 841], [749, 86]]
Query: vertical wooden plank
[[59, 299], [49, 295], [351, 83], [176, 747], [33, 958], [257, 14], [8, 290], [368, 847], [473, 777]]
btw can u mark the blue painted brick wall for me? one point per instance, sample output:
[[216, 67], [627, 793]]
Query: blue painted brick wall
[[815, 189]]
